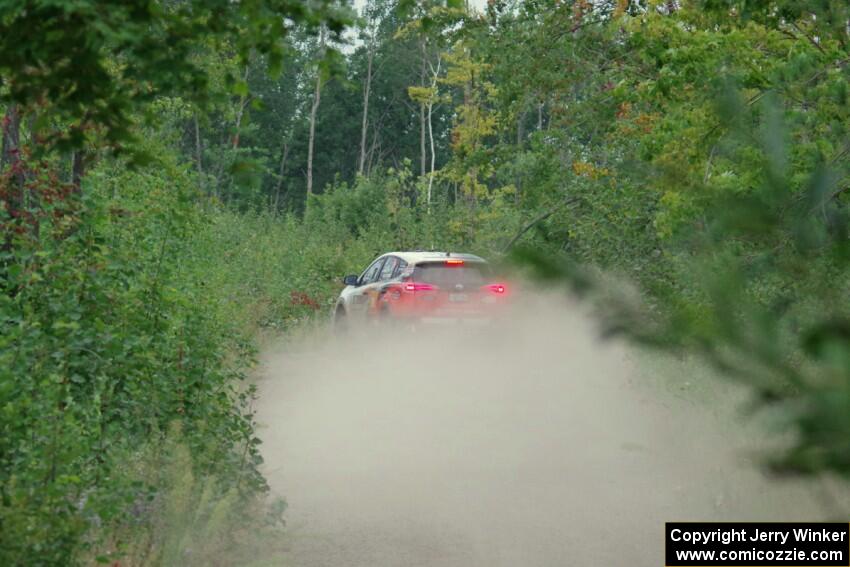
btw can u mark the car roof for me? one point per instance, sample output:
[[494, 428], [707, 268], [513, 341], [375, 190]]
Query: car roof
[[419, 256]]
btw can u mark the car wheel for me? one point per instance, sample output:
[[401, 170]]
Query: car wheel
[[384, 318], [340, 322]]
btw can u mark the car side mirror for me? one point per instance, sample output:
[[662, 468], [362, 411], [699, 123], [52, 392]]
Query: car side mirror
[[351, 280]]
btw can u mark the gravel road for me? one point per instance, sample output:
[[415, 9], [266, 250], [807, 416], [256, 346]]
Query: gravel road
[[530, 445]]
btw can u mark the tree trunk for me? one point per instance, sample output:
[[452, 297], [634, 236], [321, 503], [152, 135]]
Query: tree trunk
[[520, 141], [199, 151], [240, 112], [422, 155], [280, 173], [10, 156], [366, 90], [472, 173], [234, 144], [78, 169], [312, 139], [431, 138], [375, 147], [520, 127], [316, 100], [431, 130]]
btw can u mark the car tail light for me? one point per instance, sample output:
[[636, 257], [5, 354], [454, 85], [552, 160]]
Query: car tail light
[[454, 262], [497, 288], [416, 286]]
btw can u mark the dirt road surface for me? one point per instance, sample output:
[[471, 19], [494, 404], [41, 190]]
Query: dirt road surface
[[533, 445]]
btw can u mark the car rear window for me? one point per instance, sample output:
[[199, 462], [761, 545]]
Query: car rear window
[[443, 275]]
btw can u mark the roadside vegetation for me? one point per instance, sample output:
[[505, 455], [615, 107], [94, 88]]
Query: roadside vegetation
[[175, 177]]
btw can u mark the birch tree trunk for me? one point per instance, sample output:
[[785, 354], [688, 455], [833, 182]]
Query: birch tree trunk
[[422, 156], [317, 97], [431, 101], [364, 126], [240, 112]]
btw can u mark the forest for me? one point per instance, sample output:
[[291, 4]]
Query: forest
[[179, 177]]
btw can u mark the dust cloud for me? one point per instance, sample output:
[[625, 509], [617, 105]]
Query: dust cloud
[[531, 443]]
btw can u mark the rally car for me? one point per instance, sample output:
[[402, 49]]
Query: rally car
[[420, 288]]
